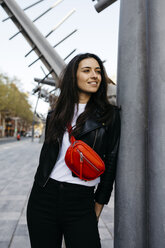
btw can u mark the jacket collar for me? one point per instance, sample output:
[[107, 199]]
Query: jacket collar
[[91, 124]]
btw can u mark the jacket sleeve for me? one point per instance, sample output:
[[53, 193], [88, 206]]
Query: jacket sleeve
[[105, 187], [47, 121]]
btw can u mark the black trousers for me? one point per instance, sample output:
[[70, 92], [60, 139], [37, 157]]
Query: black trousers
[[62, 209]]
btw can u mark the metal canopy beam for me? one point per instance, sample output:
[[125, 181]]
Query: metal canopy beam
[[50, 58], [47, 81], [103, 4]]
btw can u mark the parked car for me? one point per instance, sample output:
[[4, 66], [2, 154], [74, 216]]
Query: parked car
[[29, 134]]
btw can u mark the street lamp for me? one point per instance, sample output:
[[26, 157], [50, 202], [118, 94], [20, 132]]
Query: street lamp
[[15, 126]]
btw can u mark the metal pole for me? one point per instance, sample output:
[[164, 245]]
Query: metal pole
[[47, 81], [54, 46], [15, 128], [34, 114], [42, 80], [156, 136], [130, 193], [50, 58], [69, 54], [57, 26], [45, 12], [32, 5]]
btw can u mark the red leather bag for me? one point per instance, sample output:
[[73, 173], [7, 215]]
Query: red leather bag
[[83, 161]]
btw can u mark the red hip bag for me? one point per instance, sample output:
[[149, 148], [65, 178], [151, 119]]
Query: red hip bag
[[83, 161]]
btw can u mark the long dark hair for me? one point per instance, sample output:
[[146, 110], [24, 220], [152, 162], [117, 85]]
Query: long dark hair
[[68, 98]]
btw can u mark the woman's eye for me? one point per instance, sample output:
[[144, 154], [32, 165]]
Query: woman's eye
[[87, 70]]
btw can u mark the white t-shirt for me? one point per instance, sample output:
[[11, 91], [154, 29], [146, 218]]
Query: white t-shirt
[[60, 171]]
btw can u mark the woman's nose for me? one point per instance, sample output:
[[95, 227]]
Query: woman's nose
[[93, 74]]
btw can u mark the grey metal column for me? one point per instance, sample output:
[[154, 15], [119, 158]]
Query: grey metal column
[[130, 193], [156, 142]]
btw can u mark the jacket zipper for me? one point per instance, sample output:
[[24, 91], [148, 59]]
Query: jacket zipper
[[95, 139], [50, 172], [83, 157]]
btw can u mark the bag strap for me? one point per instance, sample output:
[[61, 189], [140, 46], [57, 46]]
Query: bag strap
[[69, 128], [72, 138]]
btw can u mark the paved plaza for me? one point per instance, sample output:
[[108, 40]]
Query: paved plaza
[[18, 162]]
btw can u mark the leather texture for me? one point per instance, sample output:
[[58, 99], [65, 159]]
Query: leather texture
[[104, 139]]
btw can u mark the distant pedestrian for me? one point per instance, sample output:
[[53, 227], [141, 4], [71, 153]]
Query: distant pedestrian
[[61, 203], [18, 136]]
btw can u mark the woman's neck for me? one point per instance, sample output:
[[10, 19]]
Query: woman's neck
[[84, 98]]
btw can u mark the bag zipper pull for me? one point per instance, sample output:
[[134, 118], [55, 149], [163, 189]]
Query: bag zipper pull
[[81, 157], [81, 164]]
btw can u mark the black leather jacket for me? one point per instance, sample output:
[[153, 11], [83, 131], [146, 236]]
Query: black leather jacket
[[104, 139]]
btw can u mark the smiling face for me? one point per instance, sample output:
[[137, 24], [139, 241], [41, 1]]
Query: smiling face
[[88, 78]]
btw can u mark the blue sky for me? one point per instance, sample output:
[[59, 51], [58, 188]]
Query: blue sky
[[97, 33]]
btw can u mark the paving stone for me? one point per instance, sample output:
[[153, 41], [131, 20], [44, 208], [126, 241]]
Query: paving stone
[[17, 178], [9, 216], [104, 233], [101, 223], [4, 244], [20, 242], [110, 227], [7, 228], [8, 206], [13, 197], [107, 215], [108, 243], [21, 230], [22, 219], [111, 203]]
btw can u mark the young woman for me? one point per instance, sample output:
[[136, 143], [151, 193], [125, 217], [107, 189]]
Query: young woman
[[61, 203]]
